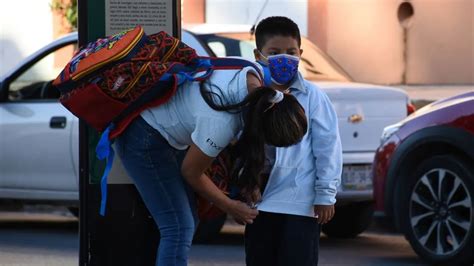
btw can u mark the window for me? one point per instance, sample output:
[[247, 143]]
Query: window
[[218, 48], [35, 82]]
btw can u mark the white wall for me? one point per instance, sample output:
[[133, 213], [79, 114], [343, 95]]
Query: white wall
[[246, 11], [366, 39], [441, 42], [25, 26]]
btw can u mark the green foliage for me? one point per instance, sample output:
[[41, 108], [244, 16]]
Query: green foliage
[[68, 10]]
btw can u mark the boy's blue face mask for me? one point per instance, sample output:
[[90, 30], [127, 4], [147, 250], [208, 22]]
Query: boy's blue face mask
[[281, 67]]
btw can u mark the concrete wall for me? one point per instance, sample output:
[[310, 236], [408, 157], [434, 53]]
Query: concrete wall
[[440, 42], [193, 11], [364, 36], [25, 26], [368, 39]]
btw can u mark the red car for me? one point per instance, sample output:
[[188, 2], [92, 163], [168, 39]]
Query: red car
[[424, 179]]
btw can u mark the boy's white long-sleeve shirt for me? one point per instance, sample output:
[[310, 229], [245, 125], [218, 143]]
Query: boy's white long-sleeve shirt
[[308, 173]]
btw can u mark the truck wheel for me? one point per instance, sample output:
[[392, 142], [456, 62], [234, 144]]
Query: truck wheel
[[436, 210], [208, 230], [350, 220]]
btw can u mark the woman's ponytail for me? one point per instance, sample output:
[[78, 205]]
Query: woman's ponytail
[[272, 118]]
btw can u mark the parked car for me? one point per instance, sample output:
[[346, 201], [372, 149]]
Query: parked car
[[39, 144], [424, 179]]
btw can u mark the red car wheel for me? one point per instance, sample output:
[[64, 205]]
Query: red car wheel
[[437, 210]]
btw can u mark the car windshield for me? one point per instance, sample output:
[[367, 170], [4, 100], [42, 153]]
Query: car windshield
[[315, 64]]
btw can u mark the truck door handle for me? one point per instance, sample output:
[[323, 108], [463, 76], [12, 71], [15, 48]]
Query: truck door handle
[[57, 122]]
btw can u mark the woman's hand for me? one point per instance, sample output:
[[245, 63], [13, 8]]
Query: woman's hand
[[324, 213], [253, 198], [242, 213], [194, 164]]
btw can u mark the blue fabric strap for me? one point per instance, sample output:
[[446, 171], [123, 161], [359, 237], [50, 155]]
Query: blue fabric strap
[[199, 66], [104, 151], [188, 72], [203, 63], [267, 77]]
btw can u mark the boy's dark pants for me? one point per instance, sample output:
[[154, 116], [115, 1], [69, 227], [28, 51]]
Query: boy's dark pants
[[276, 239]]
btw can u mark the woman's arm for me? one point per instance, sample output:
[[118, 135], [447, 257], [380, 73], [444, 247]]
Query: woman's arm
[[194, 164]]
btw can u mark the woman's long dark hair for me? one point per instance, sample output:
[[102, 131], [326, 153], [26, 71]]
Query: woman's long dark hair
[[279, 124]]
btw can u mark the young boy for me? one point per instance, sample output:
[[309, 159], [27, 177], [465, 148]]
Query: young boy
[[299, 195]]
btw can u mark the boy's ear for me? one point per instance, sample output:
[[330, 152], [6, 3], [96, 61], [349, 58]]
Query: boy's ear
[[301, 52], [256, 54]]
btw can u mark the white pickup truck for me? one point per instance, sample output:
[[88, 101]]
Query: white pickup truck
[[39, 137]]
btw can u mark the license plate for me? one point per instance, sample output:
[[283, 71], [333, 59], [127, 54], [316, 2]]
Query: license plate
[[357, 177]]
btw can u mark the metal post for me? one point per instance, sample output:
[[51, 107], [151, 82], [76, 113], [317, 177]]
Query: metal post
[[126, 235]]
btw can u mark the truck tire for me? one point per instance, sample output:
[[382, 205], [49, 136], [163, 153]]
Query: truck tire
[[74, 211], [350, 220], [437, 210]]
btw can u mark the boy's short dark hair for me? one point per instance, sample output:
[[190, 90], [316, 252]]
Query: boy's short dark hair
[[273, 26]]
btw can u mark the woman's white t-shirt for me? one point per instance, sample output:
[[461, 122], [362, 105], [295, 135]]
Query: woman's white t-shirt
[[186, 118]]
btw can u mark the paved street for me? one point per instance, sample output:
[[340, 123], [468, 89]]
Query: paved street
[[51, 239], [374, 247]]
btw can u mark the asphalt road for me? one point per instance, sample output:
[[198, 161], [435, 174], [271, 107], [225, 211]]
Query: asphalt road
[[51, 239]]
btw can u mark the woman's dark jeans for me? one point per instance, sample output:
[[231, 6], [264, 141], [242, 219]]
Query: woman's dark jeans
[[155, 167]]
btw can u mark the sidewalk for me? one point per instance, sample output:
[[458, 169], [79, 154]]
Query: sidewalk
[[434, 92]]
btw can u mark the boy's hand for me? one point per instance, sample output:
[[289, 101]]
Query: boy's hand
[[324, 213]]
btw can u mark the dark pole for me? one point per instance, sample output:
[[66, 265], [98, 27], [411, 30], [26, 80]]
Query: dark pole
[[83, 151]]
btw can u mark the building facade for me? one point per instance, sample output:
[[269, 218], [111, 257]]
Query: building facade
[[377, 41]]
